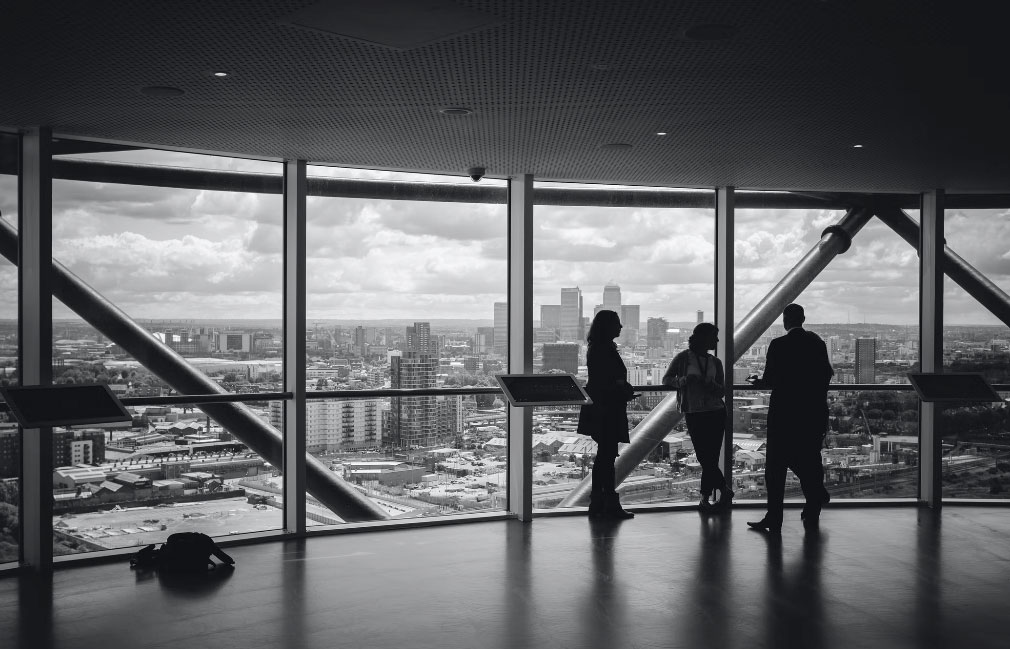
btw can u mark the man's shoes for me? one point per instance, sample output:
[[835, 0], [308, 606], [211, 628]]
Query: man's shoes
[[705, 506], [825, 496], [725, 500], [765, 526], [811, 522]]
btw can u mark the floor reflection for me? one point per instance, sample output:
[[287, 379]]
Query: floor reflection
[[794, 603]]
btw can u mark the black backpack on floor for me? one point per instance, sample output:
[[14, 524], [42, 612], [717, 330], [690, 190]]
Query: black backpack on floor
[[182, 552]]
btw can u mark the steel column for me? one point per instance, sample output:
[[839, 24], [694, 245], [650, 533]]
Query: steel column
[[930, 341], [520, 345], [724, 253], [35, 340], [169, 366], [661, 420], [294, 345]]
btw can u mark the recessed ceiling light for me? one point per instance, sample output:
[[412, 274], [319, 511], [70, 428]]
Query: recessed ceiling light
[[661, 133], [220, 73], [162, 91], [455, 110], [615, 146], [710, 32], [857, 146]]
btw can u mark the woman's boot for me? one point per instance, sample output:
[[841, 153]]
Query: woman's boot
[[613, 507]]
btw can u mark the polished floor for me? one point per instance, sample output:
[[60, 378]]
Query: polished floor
[[880, 577]]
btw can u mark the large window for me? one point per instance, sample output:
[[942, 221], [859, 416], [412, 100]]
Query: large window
[[654, 268], [408, 294], [201, 271], [976, 436], [10, 435], [864, 305]]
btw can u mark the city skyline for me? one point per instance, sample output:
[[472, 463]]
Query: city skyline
[[176, 253]]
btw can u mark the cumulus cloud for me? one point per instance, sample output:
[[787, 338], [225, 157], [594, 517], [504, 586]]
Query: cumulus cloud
[[162, 252]]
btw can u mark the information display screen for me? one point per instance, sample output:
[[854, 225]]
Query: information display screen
[[953, 386], [542, 390], [64, 405]]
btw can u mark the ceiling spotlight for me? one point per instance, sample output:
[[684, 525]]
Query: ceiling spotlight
[[857, 146], [455, 110], [220, 74], [661, 133], [162, 91]]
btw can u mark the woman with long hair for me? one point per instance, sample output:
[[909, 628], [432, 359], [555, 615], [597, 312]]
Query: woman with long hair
[[699, 379], [606, 420]]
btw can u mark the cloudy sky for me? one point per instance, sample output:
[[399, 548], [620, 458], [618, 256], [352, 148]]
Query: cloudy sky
[[189, 254]]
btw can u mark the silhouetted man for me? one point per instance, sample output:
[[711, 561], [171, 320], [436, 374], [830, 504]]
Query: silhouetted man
[[797, 370]]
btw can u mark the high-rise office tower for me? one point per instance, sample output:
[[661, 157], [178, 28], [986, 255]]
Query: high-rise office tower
[[419, 338], [483, 342], [501, 328], [612, 298], [550, 316], [656, 332], [413, 420], [866, 359], [561, 356], [701, 316], [631, 316], [571, 314]]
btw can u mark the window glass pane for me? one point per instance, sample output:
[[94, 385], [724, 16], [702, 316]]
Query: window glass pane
[[654, 268], [864, 305], [174, 470], [199, 269], [976, 436], [10, 435], [408, 294]]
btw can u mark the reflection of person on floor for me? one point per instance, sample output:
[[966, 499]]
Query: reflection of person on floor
[[606, 420], [699, 379], [798, 371]]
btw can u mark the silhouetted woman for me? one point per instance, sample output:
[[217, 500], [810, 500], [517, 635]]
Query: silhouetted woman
[[606, 420], [699, 378]]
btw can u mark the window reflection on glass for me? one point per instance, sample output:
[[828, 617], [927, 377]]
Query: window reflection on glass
[[654, 268], [408, 294], [975, 437]]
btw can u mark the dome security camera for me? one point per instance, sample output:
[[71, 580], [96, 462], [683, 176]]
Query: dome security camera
[[475, 173]]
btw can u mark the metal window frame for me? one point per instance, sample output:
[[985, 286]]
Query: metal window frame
[[37, 170], [930, 341], [35, 349]]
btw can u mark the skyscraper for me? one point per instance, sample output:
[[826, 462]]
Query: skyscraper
[[419, 338], [612, 298], [413, 420], [501, 328], [656, 332], [866, 359], [701, 316], [571, 314], [550, 316], [561, 356], [631, 316]]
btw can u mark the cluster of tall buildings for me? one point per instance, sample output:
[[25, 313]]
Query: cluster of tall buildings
[[567, 321]]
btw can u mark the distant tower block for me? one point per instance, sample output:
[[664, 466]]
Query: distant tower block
[[866, 360], [701, 316]]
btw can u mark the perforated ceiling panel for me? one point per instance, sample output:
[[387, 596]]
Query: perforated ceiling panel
[[780, 104]]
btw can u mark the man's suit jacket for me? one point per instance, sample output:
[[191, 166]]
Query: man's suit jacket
[[798, 371]]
